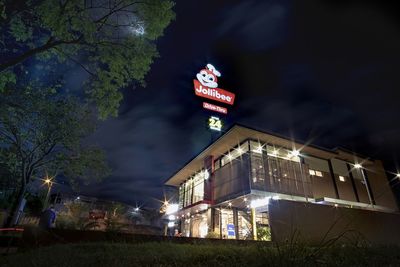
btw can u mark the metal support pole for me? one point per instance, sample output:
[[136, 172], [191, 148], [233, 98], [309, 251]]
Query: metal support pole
[[371, 200], [254, 223], [47, 197]]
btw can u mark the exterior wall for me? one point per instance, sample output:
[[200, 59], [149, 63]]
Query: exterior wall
[[311, 222], [380, 187], [322, 186], [345, 189], [360, 185]]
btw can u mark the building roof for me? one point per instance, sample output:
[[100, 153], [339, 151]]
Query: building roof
[[239, 133]]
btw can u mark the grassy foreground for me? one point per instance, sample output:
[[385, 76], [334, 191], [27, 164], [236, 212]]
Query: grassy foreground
[[169, 254]]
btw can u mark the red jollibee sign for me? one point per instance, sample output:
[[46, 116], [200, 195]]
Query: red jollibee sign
[[206, 86], [215, 108]]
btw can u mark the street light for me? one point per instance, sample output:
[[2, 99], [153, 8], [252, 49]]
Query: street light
[[48, 181]]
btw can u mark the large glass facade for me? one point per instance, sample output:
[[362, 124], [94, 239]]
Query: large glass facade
[[258, 166], [192, 190]]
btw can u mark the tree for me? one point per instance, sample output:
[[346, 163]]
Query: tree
[[42, 132], [112, 40]]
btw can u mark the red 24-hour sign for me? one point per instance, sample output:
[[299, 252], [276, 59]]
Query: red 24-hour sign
[[206, 86]]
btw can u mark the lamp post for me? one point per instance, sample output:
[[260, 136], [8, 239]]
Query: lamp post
[[49, 183]]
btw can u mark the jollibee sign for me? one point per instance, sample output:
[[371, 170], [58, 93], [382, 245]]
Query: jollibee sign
[[206, 85]]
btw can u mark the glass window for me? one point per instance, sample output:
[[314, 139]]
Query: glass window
[[234, 153], [312, 172], [257, 171], [181, 196], [342, 179], [318, 173], [256, 147], [198, 187], [217, 164], [282, 153], [188, 192]]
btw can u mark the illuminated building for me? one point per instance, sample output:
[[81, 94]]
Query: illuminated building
[[227, 189]]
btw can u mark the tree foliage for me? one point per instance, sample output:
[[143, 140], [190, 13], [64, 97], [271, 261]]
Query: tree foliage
[[42, 132], [112, 40]]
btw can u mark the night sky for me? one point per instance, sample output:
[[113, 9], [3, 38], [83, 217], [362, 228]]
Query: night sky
[[325, 71]]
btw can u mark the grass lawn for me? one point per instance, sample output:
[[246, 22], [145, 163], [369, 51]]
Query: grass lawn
[[170, 254]]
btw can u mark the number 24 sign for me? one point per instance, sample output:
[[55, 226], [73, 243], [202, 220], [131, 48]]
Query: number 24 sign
[[215, 123]]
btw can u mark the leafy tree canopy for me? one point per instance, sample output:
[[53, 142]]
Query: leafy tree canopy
[[43, 131], [112, 40]]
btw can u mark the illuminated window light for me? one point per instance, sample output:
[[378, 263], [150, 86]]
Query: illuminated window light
[[319, 174], [259, 202], [342, 179], [312, 172], [357, 166]]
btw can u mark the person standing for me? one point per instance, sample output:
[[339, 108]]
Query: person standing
[[47, 218]]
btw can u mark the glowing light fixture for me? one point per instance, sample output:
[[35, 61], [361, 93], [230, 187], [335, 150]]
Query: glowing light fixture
[[171, 224], [398, 175], [357, 166], [260, 202], [171, 217], [206, 174], [230, 156], [258, 149], [172, 208], [295, 153]]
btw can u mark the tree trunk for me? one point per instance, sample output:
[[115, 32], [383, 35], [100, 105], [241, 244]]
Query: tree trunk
[[14, 211]]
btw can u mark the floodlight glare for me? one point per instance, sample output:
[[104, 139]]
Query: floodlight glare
[[172, 208], [357, 166]]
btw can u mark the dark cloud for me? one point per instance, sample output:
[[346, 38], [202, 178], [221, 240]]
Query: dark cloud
[[318, 70]]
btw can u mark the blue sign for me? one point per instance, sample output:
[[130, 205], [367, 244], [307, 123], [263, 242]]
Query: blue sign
[[231, 229]]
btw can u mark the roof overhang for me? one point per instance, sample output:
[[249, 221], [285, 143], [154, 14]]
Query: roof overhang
[[238, 133]]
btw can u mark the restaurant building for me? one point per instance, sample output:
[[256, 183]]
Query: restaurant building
[[226, 191]]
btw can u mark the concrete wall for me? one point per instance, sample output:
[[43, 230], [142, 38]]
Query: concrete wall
[[311, 222]]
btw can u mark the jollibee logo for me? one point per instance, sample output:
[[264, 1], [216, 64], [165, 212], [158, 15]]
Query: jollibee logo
[[207, 83], [208, 76]]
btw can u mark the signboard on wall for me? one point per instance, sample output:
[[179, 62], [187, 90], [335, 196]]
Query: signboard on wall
[[231, 230], [215, 108], [215, 123]]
